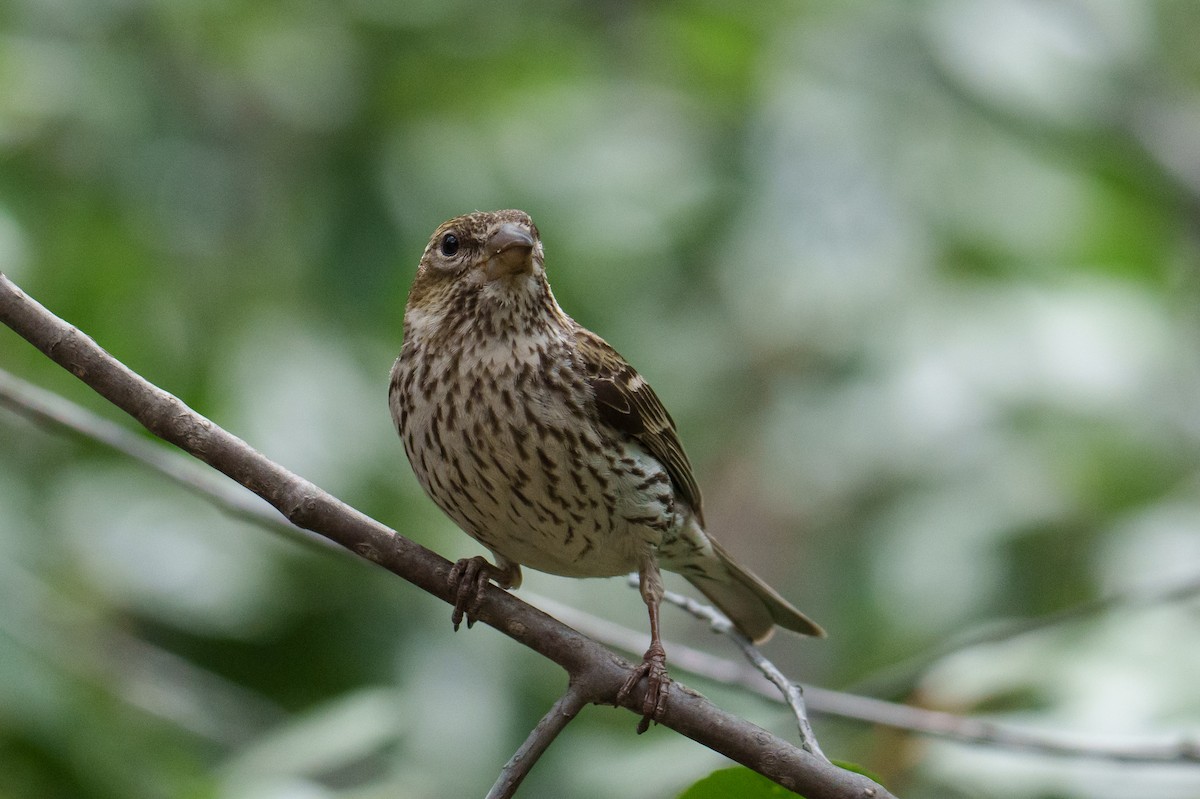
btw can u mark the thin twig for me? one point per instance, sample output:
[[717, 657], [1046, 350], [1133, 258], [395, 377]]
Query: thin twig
[[597, 672], [50, 410], [539, 740], [791, 691], [898, 678]]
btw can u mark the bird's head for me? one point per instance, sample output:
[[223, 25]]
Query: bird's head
[[486, 250]]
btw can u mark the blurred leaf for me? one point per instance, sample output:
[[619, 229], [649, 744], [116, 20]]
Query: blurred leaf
[[857, 769], [738, 782]]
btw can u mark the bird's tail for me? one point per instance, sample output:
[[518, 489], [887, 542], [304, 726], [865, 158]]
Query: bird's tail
[[752, 605]]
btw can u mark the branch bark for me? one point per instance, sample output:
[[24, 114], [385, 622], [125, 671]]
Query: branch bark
[[596, 672]]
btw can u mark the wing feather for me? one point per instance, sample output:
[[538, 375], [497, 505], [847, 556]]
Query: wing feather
[[626, 402]]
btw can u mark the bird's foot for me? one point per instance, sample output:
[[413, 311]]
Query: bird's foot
[[654, 668], [468, 577]]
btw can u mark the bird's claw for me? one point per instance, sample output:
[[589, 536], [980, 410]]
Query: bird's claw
[[654, 703], [468, 577]]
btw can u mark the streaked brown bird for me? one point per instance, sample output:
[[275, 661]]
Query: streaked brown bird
[[545, 446]]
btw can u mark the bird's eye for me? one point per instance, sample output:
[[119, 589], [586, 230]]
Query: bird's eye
[[449, 244]]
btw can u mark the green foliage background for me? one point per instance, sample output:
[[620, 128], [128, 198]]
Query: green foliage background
[[917, 280]]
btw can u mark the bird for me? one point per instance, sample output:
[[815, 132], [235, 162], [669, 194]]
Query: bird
[[547, 447]]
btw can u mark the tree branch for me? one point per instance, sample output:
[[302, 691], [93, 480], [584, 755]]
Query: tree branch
[[595, 671], [539, 740], [47, 408]]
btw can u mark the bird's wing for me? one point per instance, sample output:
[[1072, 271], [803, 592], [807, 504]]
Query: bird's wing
[[625, 401]]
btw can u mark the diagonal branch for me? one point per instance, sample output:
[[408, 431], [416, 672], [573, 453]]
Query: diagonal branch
[[792, 692], [596, 672], [539, 740]]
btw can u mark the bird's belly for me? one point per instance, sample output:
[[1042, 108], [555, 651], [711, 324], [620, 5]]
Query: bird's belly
[[550, 556], [546, 489], [567, 511]]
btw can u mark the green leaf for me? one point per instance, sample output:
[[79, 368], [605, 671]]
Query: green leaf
[[738, 782], [857, 769]]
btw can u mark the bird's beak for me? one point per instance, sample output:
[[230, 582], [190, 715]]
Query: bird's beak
[[509, 252]]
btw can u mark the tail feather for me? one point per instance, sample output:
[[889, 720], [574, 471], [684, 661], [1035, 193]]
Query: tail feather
[[752, 605]]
